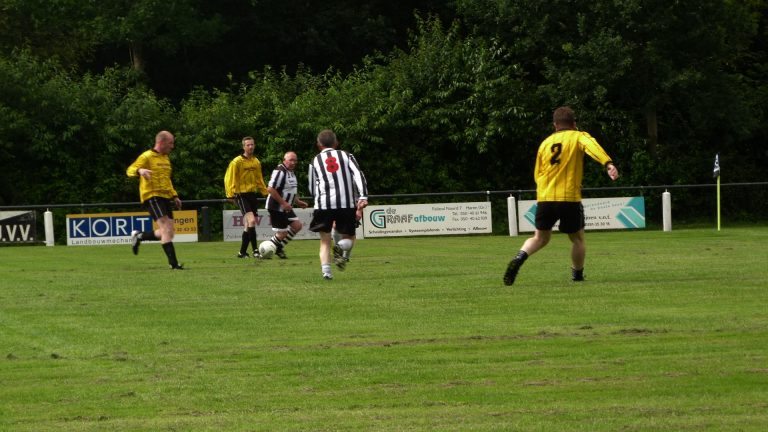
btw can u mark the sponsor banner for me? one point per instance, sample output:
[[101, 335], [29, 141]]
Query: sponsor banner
[[427, 219], [115, 228], [599, 214], [234, 224], [18, 226]]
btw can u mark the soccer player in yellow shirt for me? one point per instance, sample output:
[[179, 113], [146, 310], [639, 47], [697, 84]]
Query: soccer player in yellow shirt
[[241, 181], [156, 191], [558, 173]]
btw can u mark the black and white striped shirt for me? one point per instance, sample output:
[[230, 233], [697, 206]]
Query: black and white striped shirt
[[336, 181], [285, 183]]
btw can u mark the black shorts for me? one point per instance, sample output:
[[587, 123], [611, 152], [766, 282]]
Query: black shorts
[[570, 215], [280, 219], [159, 207], [247, 202], [322, 221]]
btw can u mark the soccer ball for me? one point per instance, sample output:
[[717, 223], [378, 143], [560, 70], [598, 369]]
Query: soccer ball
[[267, 249]]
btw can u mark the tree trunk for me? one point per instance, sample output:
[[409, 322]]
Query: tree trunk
[[135, 49]]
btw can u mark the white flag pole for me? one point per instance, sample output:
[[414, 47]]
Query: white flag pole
[[718, 203], [716, 173]]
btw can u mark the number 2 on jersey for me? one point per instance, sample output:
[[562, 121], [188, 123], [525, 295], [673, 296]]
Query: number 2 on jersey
[[556, 150]]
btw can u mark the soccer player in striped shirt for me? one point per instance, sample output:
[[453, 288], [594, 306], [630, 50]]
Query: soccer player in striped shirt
[[283, 194], [153, 167], [340, 191], [558, 173], [241, 181]]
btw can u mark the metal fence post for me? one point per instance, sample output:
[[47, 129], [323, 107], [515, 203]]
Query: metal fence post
[[206, 216], [512, 216]]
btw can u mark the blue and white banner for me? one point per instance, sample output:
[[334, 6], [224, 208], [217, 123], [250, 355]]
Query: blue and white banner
[[115, 228], [599, 214]]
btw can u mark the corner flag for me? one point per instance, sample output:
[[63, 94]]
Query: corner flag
[[716, 174], [716, 171]]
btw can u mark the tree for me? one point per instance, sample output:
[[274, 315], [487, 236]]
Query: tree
[[432, 116], [161, 25], [180, 44], [63, 30], [656, 77], [69, 139]]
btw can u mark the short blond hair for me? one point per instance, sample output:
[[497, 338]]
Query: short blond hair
[[163, 136]]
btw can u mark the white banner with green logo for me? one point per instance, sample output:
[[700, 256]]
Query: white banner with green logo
[[427, 219]]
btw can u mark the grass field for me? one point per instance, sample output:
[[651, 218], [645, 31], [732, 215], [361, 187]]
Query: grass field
[[668, 333]]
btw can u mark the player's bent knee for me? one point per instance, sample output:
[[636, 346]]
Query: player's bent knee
[[346, 244]]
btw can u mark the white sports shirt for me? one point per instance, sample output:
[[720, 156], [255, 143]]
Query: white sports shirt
[[284, 182], [336, 181]]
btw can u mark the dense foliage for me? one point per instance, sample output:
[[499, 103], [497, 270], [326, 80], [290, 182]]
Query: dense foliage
[[458, 105]]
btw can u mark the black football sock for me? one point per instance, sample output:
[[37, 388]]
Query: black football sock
[[244, 243], [252, 238], [147, 235], [170, 252]]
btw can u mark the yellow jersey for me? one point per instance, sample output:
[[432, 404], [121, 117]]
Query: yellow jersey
[[560, 164], [244, 175], [159, 184]]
